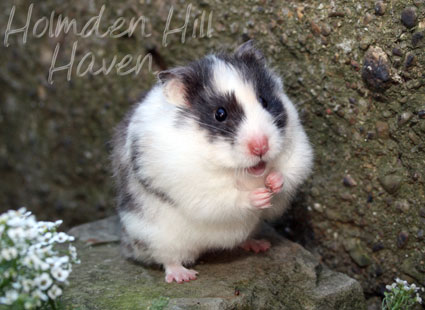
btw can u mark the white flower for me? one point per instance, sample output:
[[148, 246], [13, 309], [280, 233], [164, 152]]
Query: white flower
[[28, 261], [29, 305], [33, 261], [60, 274], [16, 234], [31, 233], [12, 295], [16, 221], [39, 267], [16, 285], [30, 219], [43, 281], [57, 261], [9, 297], [43, 250], [27, 285], [13, 252], [9, 253], [54, 292], [73, 251], [46, 237], [62, 260], [4, 217], [51, 260], [40, 295], [61, 237], [45, 226], [418, 299], [43, 266]]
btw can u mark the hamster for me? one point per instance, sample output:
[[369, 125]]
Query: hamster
[[214, 148]]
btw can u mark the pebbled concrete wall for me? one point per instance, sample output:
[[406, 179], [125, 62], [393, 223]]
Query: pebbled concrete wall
[[354, 68]]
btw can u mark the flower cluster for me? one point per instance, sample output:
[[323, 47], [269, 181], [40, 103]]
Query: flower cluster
[[401, 296], [32, 271]]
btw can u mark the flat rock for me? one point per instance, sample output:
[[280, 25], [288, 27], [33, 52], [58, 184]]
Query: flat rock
[[286, 277], [102, 231]]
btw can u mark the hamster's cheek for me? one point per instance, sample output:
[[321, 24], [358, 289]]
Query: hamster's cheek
[[227, 155]]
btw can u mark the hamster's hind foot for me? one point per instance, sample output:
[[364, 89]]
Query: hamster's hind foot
[[179, 274], [256, 246]]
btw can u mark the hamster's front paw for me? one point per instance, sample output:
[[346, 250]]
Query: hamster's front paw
[[261, 198], [179, 274], [274, 182]]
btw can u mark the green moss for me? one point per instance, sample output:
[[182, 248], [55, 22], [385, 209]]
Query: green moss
[[159, 303]]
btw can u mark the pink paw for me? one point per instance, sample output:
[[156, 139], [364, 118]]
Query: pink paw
[[261, 198], [256, 246], [274, 182], [179, 274]]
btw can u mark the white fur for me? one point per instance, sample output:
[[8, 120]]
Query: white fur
[[205, 179]]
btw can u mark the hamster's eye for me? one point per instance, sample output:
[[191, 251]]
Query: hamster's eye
[[263, 102], [220, 114]]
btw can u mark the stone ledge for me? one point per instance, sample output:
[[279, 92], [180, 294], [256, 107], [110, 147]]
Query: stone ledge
[[286, 277]]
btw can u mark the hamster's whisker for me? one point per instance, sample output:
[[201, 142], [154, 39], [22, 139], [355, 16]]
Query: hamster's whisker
[[205, 124], [214, 127]]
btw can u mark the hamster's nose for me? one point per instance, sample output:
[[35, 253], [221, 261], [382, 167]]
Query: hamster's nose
[[258, 145]]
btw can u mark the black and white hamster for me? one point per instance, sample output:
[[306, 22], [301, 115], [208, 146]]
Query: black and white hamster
[[214, 148]]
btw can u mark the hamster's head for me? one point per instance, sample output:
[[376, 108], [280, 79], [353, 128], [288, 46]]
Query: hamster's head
[[237, 103]]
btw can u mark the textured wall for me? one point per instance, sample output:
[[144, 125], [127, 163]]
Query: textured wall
[[355, 69]]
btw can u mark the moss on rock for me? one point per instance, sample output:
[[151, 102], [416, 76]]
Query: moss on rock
[[286, 277]]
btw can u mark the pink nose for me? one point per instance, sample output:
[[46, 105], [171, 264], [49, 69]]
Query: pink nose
[[258, 146]]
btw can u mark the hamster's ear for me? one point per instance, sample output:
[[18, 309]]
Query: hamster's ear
[[173, 86], [248, 52]]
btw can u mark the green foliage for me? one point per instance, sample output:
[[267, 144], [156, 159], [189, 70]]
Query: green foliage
[[159, 303], [401, 296], [33, 271]]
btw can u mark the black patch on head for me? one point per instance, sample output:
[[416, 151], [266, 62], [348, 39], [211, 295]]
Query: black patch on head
[[204, 112], [251, 63], [204, 99]]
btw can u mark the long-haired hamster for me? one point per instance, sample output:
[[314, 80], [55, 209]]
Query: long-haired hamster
[[214, 148]]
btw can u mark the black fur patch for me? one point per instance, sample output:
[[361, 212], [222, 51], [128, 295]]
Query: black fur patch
[[204, 100], [136, 250], [255, 71], [122, 170], [204, 109], [126, 201], [146, 182]]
